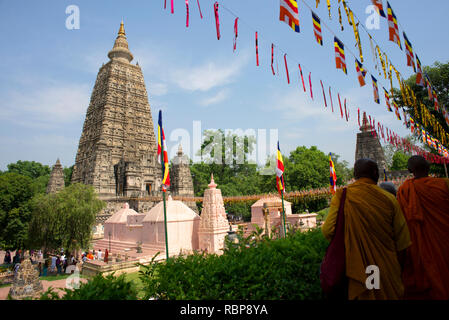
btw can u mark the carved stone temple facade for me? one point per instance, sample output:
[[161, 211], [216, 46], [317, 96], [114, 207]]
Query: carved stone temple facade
[[117, 152], [56, 182], [214, 224], [368, 145], [181, 178]]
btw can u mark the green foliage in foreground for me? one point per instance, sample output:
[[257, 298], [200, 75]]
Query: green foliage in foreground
[[265, 269], [98, 288]]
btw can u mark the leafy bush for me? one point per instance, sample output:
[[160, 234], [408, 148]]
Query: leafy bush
[[265, 269], [98, 288]]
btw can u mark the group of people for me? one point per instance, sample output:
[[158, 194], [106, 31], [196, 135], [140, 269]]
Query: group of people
[[403, 233], [92, 255]]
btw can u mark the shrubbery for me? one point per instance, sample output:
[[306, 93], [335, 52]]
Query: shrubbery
[[266, 269], [98, 288]]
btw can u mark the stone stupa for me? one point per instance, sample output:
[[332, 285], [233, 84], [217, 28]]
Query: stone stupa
[[56, 182], [214, 224], [368, 145], [26, 284]]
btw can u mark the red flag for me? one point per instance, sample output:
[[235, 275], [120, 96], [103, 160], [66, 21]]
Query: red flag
[[272, 59], [310, 82], [339, 102], [324, 95], [236, 32], [217, 20], [257, 50], [346, 112], [172, 8], [187, 15], [358, 115], [286, 68], [302, 78], [330, 97], [199, 8]]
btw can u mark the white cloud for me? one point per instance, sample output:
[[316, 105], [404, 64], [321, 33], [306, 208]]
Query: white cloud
[[157, 89], [217, 98], [46, 103], [216, 72]]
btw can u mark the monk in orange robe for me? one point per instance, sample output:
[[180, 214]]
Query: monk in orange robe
[[376, 234], [425, 203]]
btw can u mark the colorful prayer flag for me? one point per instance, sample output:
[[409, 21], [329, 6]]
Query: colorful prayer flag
[[435, 101], [393, 26], [317, 28], [419, 73], [340, 55], [375, 90], [302, 78], [332, 176], [361, 72], [289, 13], [396, 110], [162, 145], [387, 100], [379, 6], [409, 52], [280, 172]]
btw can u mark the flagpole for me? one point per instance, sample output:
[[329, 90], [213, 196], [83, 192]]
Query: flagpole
[[283, 213], [163, 189]]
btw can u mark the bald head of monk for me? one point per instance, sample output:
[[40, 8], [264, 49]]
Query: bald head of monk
[[418, 166], [366, 168]]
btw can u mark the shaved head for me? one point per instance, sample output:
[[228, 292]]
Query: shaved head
[[418, 166], [366, 168]]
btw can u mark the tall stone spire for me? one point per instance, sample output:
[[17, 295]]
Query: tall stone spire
[[181, 178], [117, 148], [214, 224], [56, 182], [120, 50], [368, 145]]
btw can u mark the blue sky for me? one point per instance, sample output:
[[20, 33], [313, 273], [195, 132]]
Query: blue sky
[[48, 72]]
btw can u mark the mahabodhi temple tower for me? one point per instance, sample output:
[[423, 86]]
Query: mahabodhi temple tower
[[117, 149], [368, 145]]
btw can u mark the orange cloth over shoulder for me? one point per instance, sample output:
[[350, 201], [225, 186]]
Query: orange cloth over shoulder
[[425, 203]]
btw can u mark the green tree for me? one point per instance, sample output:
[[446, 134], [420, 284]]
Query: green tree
[[64, 219], [226, 156], [16, 191], [68, 175], [399, 161], [30, 169]]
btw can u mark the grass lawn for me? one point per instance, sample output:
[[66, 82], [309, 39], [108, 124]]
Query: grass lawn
[[322, 215], [59, 277], [134, 277]]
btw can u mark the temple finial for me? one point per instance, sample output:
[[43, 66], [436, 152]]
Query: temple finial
[[121, 31], [212, 184]]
